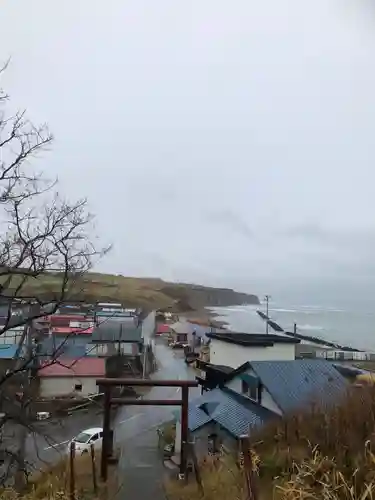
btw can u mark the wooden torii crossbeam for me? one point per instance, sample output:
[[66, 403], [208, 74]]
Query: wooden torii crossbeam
[[108, 383]]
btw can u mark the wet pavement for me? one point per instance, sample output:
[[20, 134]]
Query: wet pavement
[[141, 471], [141, 467], [49, 444], [135, 419]]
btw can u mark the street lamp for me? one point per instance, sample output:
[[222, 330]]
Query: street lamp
[[267, 298]]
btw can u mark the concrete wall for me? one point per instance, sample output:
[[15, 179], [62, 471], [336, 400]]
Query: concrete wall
[[60, 386], [224, 353]]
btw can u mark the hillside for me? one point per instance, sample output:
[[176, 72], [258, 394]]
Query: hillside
[[135, 292]]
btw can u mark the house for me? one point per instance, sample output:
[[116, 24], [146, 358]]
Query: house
[[80, 308], [189, 333], [72, 377], [258, 392], [212, 376], [110, 310], [108, 306], [220, 418], [234, 349], [147, 321], [64, 320], [12, 336], [162, 328], [71, 331], [9, 357], [66, 342], [9, 351], [112, 337]]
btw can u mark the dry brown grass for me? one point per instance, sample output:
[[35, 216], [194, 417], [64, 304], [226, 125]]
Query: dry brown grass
[[317, 454], [54, 483], [221, 479], [319, 477], [342, 433]]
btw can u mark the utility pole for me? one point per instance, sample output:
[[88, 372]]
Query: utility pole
[[267, 298]]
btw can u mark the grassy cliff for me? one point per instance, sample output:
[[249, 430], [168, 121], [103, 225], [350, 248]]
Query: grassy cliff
[[135, 292]]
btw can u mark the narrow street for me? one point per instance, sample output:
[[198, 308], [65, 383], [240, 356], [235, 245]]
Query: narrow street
[[141, 469], [136, 419], [140, 466]]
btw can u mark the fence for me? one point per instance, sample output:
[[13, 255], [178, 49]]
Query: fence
[[337, 355]]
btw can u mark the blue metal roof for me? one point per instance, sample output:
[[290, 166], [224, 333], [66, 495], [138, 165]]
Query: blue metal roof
[[197, 416], [233, 412], [8, 351], [297, 383], [239, 415]]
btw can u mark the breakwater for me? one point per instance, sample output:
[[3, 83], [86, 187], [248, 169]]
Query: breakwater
[[308, 338]]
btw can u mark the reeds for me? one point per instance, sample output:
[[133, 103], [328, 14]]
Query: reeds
[[319, 453]]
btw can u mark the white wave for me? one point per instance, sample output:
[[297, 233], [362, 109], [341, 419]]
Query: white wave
[[236, 309], [320, 309], [310, 327], [284, 310]]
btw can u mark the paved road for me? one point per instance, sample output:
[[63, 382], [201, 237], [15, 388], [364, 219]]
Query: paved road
[[50, 443], [136, 419], [141, 469], [139, 457]]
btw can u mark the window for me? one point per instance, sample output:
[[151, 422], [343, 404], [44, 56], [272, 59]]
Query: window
[[94, 438], [78, 387], [213, 444], [82, 438], [251, 389], [100, 435]]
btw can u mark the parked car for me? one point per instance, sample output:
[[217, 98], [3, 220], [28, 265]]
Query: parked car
[[87, 437]]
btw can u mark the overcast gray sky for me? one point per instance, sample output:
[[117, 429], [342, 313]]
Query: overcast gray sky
[[226, 142]]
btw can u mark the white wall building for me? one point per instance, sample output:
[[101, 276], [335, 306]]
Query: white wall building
[[264, 397], [234, 349], [74, 377]]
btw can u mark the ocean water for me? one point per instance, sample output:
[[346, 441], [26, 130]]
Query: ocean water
[[352, 326]]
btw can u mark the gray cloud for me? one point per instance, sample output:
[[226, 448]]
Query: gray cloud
[[229, 144]]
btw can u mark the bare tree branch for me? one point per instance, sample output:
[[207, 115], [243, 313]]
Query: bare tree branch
[[45, 250]]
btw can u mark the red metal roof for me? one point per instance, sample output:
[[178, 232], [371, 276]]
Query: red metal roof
[[67, 330], [83, 367], [66, 318], [162, 328]]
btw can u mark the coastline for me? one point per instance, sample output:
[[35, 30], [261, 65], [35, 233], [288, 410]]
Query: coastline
[[204, 317]]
